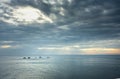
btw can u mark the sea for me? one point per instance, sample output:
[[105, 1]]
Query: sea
[[60, 67]]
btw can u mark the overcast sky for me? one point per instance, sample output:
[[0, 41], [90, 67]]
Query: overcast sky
[[57, 27]]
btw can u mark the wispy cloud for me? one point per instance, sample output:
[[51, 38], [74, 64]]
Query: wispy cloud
[[78, 50], [100, 51], [5, 1], [6, 42], [5, 46]]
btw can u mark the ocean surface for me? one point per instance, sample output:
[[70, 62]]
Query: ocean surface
[[60, 67]]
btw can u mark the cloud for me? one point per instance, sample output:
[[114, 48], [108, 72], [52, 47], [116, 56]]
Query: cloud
[[99, 51], [30, 15], [5, 46], [64, 27], [78, 50], [54, 48], [74, 24], [25, 15], [6, 42], [84, 47], [5, 1]]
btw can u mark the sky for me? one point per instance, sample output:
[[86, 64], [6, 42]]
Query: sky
[[59, 27]]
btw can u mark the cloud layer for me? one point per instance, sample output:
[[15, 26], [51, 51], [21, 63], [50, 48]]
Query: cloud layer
[[33, 24]]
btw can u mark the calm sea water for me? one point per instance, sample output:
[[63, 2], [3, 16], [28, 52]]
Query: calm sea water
[[60, 67]]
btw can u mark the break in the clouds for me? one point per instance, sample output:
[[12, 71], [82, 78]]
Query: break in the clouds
[[59, 27]]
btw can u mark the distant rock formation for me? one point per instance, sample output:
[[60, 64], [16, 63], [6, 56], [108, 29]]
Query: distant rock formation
[[48, 57], [40, 57], [28, 57], [24, 57]]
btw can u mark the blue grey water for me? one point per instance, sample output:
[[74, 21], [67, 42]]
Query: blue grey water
[[60, 67]]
